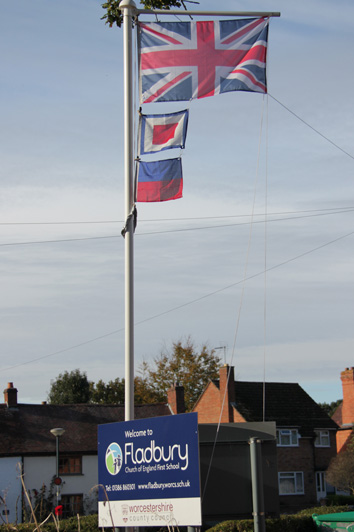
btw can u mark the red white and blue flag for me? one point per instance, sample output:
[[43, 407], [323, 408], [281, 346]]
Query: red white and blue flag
[[159, 180], [188, 60], [162, 132]]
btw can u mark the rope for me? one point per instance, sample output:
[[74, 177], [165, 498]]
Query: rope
[[240, 306], [311, 127], [265, 269]]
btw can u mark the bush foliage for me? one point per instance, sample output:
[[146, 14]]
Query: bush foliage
[[88, 523], [300, 522]]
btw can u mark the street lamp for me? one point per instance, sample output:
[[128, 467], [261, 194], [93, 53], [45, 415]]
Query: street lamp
[[57, 433]]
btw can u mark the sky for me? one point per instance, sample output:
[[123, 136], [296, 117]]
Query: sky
[[256, 259]]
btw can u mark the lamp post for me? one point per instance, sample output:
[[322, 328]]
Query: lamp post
[[57, 433]]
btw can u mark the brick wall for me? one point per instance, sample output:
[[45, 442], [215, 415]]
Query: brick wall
[[208, 406], [347, 412], [342, 438], [175, 399], [347, 378], [214, 399], [323, 455], [299, 458]]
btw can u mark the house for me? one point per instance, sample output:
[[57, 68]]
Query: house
[[306, 435], [28, 448], [344, 414]]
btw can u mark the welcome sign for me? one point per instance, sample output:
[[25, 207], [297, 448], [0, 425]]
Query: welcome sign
[[149, 472]]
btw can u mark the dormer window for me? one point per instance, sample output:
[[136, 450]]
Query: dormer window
[[287, 438], [322, 438]]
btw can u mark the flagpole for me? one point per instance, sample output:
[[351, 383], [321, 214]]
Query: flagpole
[[128, 9]]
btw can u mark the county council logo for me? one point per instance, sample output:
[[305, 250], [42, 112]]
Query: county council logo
[[114, 458]]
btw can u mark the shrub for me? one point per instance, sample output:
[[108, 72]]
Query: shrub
[[320, 510], [88, 523], [286, 523], [340, 499]]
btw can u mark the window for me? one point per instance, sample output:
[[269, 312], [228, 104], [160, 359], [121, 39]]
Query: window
[[72, 505], [291, 483], [320, 483], [70, 465], [322, 438], [287, 438]]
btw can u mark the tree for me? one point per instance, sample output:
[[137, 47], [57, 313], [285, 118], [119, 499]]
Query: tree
[[330, 408], [340, 472], [70, 388], [114, 16], [191, 369], [110, 393]]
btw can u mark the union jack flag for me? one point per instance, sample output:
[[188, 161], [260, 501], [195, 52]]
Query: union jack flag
[[187, 60]]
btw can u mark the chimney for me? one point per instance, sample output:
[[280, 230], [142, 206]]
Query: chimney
[[10, 395], [347, 378], [227, 382], [175, 399]]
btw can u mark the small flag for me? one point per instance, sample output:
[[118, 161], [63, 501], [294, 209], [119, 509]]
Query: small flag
[[188, 60], [162, 132], [159, 180]]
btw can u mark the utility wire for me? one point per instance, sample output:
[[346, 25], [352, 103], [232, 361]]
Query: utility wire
[[54, 241], [183, 305], [83, 222]]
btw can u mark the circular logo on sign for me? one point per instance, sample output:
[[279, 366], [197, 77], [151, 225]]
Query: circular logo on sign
[[114, 458]]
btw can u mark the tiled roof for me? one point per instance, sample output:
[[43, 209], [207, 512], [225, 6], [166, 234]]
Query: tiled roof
[[285, 403], [25, 429]]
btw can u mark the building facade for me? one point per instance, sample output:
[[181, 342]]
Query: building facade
[[306, 435], [28, 451]]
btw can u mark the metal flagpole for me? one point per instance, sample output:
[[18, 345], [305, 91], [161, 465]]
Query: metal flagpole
[[208, 13], [128, 9]]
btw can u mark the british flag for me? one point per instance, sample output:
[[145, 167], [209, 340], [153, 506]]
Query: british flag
[[187, 60]]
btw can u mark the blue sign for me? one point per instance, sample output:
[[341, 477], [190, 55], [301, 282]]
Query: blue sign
[[154, 465]]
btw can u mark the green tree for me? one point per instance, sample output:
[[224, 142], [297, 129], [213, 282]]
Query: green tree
[[113, 392], [330, 408], [340, 472], [110, 393], [191, 368], [113, 14], [70, 388]]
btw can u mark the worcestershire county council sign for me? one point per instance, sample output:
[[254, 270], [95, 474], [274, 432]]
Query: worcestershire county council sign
[[149, 472]]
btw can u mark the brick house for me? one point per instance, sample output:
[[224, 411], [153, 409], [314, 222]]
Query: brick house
[[306, 435], [344, 414], [27, 444]]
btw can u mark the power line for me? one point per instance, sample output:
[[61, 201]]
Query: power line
[[149, 220], [184, 229], [183, 305]]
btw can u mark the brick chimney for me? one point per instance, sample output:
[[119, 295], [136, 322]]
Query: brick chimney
[[175, 399], [10, 395], [227, 382], [347, 378]]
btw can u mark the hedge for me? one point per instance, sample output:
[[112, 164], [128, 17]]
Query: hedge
[[88, 523], [300, 522], [286, 523]]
